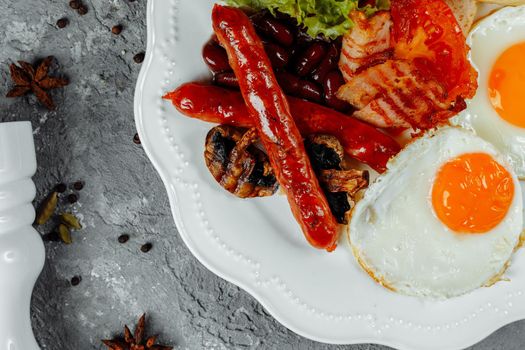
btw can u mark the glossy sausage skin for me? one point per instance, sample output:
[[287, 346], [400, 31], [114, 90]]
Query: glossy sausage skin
[[268, 107], [223, 106]]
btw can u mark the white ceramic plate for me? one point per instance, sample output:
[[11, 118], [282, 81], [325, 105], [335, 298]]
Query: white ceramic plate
[[257, 245]]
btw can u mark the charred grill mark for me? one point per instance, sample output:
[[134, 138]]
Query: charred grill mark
[[220, 141], [325, 152], [262, 175], [222, 148], [237, 164]]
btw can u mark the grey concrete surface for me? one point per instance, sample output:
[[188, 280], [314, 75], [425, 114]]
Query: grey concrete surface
[[89, 137]]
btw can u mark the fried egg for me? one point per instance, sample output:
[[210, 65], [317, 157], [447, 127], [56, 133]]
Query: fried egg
[[443, 220], [497, 112]]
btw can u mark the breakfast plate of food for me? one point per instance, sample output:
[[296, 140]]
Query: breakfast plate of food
[[356, 166]]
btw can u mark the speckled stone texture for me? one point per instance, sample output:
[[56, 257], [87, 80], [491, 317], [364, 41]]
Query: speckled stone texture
[[89, 137]]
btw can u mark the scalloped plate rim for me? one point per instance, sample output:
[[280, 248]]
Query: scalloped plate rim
[[173, 196]]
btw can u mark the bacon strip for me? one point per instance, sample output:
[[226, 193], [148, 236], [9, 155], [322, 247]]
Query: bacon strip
[[391, 75], [367, 44], [388, 90], [280, 136], [394, 94]]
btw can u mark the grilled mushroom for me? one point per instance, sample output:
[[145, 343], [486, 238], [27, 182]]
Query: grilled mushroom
[[235, 161], [237, 164], [325, 151], [349, 181], [339, 185]]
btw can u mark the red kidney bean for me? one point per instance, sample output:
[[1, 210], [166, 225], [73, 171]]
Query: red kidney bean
[[338, 42], [310, 58], [329, 62], [279, 56], [215, 57], [302, 39], [274, 29], [363, 3], [288, 82], [310, 91], [293, 85], [286, 19], [332, 82], [227, 79]]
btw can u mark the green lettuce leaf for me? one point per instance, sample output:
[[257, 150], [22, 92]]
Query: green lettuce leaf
[[329, 18]]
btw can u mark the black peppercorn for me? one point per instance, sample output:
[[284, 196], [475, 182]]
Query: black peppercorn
[[116, 29], [146, 247], [75, 4], [75, 281], [60, 188], [136, 139], [72, 198], [62, 23], [139, 58], [123, 238], [82, 10], [79, 185]]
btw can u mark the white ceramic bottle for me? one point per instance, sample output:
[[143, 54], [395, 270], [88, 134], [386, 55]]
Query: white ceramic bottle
[[21, 249]]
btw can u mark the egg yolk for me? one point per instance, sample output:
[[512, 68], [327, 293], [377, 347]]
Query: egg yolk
[[472, 193], [507, 85]]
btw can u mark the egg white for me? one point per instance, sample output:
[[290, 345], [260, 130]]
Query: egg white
[[397, 238], [488, 40]]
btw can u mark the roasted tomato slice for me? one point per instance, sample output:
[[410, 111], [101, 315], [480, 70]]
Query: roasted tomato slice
[[427, 33]]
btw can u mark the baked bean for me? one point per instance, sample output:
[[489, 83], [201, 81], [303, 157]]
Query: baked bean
[[332, 82], [226, 79], [215, 57], [310, 91], [310, 59], [278, 55], [329, 62], [274, 29]]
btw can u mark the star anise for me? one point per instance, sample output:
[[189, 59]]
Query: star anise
[[137, 340], [29, 78]]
